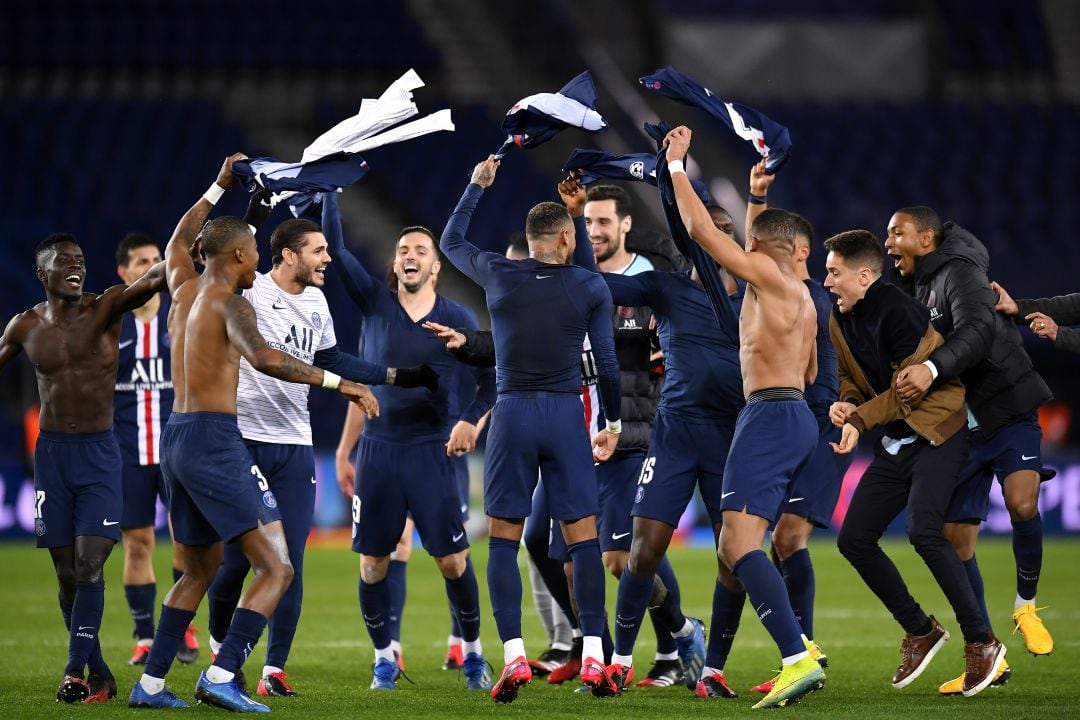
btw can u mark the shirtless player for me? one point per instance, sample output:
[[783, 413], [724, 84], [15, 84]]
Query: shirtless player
[[203, 454], [776, 432]]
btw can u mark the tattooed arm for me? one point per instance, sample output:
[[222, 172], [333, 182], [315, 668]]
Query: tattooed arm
[[179, 253]]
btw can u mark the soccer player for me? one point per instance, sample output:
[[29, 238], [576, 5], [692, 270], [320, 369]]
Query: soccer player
[[272, 415], [776, 432], [144, 398], [878, 332], [816, 488], [541, 309], [700, 398], [403, 463], [946, 267], [216, 492], [1044, 316], [72, 340]]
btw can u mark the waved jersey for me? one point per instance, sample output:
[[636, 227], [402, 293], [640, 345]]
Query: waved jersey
[[271, 410], [826, 387], [144, 389]]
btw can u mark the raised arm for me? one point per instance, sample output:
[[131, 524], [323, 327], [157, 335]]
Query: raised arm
[[240, 324], [361, 286], [573, 196], [465, 256], [182, 247], [755, 268], [759, 188], [122, 298]]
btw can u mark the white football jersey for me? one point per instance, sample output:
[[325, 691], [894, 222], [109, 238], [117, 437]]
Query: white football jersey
[[272, 410]]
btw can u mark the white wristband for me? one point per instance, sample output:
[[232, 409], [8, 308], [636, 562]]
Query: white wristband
[[330, 380], [932, 368], [614, 426], [676, 166], [213, 193]]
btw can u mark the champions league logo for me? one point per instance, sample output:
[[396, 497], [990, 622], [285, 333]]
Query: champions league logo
[[637, 169], [269, 500]]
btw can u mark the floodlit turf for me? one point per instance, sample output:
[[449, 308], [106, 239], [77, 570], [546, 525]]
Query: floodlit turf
[[331, 661]]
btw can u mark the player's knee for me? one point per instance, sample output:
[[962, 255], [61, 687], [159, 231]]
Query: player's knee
[[787, 544], [1022, 507], [65, 578], [138, 546], [90, 565], [644, 560], [452, 566], [373, 569], [615, 562]]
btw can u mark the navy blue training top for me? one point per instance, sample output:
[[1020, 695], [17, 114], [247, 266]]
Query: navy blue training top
[[826, 387], [540, 314], [393, 339]]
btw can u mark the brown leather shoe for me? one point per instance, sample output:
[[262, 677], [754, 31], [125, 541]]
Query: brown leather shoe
[[916, 652], [982, 663]]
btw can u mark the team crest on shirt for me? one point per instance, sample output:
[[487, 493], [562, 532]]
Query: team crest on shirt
[[165, 341], [640, 494], [269, 500], [316, 321], [39, 527]]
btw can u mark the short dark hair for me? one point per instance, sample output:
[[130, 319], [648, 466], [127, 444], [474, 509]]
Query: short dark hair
[[713, 206], [776, 227], [130, 242], [423, 231], [517, 243], [45, 246], [924, 218], [623, 206], [220, 234], [546, 218], [804, 228], [290, 234], [858, 248]]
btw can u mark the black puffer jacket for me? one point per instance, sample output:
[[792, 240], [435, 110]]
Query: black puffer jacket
[[982, 346]]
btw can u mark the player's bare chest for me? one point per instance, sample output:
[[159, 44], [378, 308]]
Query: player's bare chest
[[76, 341]]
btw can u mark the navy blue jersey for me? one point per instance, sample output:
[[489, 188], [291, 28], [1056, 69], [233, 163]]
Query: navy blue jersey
[[393, 339], [826, 387], [540, 314], [144, 390], [702, 376]]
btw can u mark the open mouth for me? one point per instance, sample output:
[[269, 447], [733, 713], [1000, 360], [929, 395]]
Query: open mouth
[[896, 260], [74, 280], [320, 272], [410, 270]]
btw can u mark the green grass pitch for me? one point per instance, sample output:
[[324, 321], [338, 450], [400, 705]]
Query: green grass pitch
[[331, 659]]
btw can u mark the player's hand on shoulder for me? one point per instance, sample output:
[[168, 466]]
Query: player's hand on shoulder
[[573, 195], [484, 172], [361, 395], [448, 335], [225, 177], [1005, 303], [677, 143], [839, 411], [604, 445], [462, 439]]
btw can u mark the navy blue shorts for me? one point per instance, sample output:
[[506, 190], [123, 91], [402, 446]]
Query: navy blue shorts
[[393, 481], [545, 432], [816, 488], [773, 440], [290, 471], [459, 468], [617, 480], [143, 485], [1017, 446], [77, 489], [682, 455], [216, 491]]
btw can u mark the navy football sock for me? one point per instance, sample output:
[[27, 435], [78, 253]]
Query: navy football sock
[[632, 600], [589, 585], [1028, 551], [504, 586], [375, 609], [172, 624], [665, 643], [395, 578], [768, 595], [244, 632], [798, 574], [727, 609], [467, 602], [141, 600], [85, 623]]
